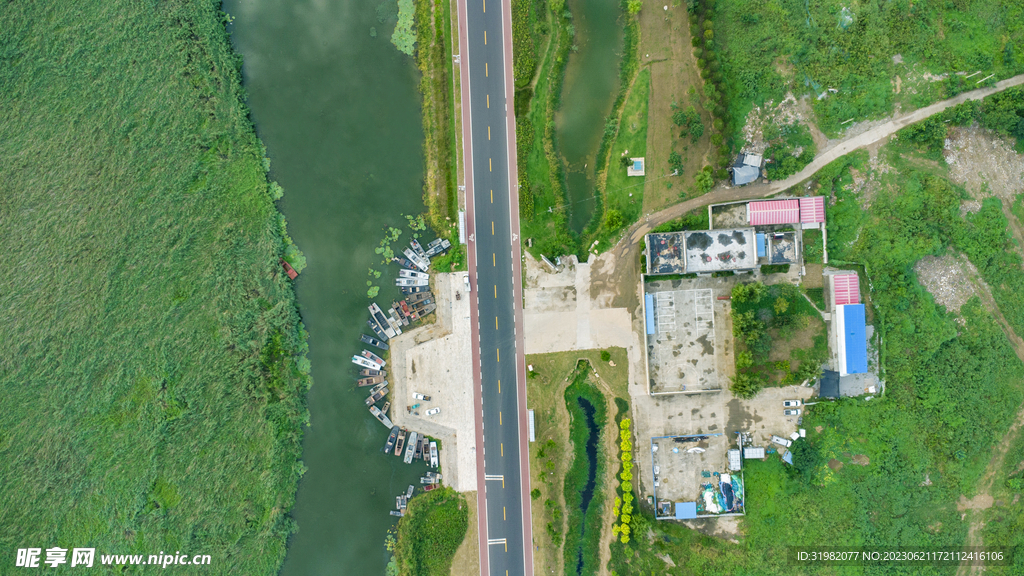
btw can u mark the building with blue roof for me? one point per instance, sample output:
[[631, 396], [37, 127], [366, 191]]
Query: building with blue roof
[[851, 339]]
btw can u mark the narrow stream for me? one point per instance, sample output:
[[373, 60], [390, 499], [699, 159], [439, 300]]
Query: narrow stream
[[591, 85], [588, 490]]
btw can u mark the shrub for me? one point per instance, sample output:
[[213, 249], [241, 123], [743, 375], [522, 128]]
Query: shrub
[[605, 355]]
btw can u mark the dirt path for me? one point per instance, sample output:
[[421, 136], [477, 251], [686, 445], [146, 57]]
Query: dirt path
[[983, 496], [843, 147]]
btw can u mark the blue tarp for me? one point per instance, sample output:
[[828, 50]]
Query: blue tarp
[[686, 510], [649, 309], [856, 339], [762, 249]]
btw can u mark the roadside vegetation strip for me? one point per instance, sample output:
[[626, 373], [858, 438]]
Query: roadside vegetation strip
[[154, 360], [434, 60], [584, 479], [430, 533]]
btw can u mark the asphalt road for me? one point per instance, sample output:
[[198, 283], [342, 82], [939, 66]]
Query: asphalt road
[[495, 271]]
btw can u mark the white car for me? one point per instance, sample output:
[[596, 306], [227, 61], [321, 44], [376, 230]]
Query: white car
[[466, 280], [790, 403], [792, 412], [782, 441], [433, 411], [419, 396]]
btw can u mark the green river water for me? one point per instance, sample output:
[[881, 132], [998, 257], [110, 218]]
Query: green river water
[[338, 111], [591, 84]]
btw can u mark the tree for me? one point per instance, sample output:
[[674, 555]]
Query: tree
[[605, 355], [675, 162], [781, 305], [704, 180], [613, 219], [634, 7]]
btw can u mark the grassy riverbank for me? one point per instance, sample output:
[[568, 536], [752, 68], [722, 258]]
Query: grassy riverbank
[[154, 367], [430, 533]]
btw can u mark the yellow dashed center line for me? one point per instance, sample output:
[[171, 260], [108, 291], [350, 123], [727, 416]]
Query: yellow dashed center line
[[492, 196], [485, 37], [490, 165], [495, 322], [499, 418], [492, 228], [502, 450], [495, 291], [488, 132], [485, 70], [488, 100], [499, 392], [485, 6], [494, 260], [504, 515], [498, 351]]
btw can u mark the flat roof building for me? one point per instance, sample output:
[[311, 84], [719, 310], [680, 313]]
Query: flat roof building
[[852, 341], [701, 251]]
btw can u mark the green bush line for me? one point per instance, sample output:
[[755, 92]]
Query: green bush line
[[433, 58], [583, 533], [431, 532], [155, 376]]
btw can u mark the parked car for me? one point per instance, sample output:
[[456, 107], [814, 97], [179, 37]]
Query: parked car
[[792, 412], [466, 280], [782, 441], [433, 411], [419, 396], [791, 403]]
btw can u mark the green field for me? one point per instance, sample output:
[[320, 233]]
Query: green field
[[152, 355], [858, 49]]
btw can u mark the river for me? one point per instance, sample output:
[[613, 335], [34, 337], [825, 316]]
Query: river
[[339, 113], [591, 85]]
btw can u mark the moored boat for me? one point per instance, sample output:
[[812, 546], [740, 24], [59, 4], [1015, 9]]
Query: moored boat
[[373, 357], [415, 289], [376, 396], [430, 487], [387, 405], [378, 317], [366, 363], [413, 298], [403, 273], [419, 449], [419, 249], [398, 513], [411, 282], [390, 444], [420, 262], [369, 381], [410, 448], [381, 416], [404, 262], [368, 372], [373, 341], [401, 442], [438, 246], [377, 330], [433, 455]]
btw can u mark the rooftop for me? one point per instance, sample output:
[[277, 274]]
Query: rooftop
[[716, 250]]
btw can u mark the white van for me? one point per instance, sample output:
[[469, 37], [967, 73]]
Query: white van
[[782, 441]]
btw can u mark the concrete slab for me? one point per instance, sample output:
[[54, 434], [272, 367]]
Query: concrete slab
[[560, 315], [681, 352], [436, 360]]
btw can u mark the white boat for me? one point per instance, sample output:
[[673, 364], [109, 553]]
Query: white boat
[[433, 454], [381, 416], [410, 447], [403, 273], [420, 262], [411, 282], [378, 318], [419, 249], [366, 363]]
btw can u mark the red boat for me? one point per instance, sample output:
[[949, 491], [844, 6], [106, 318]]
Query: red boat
[[289, 270], [430, 487]]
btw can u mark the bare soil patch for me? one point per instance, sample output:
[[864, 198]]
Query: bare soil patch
[[978, 158], [665, 48], [946, 278]]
